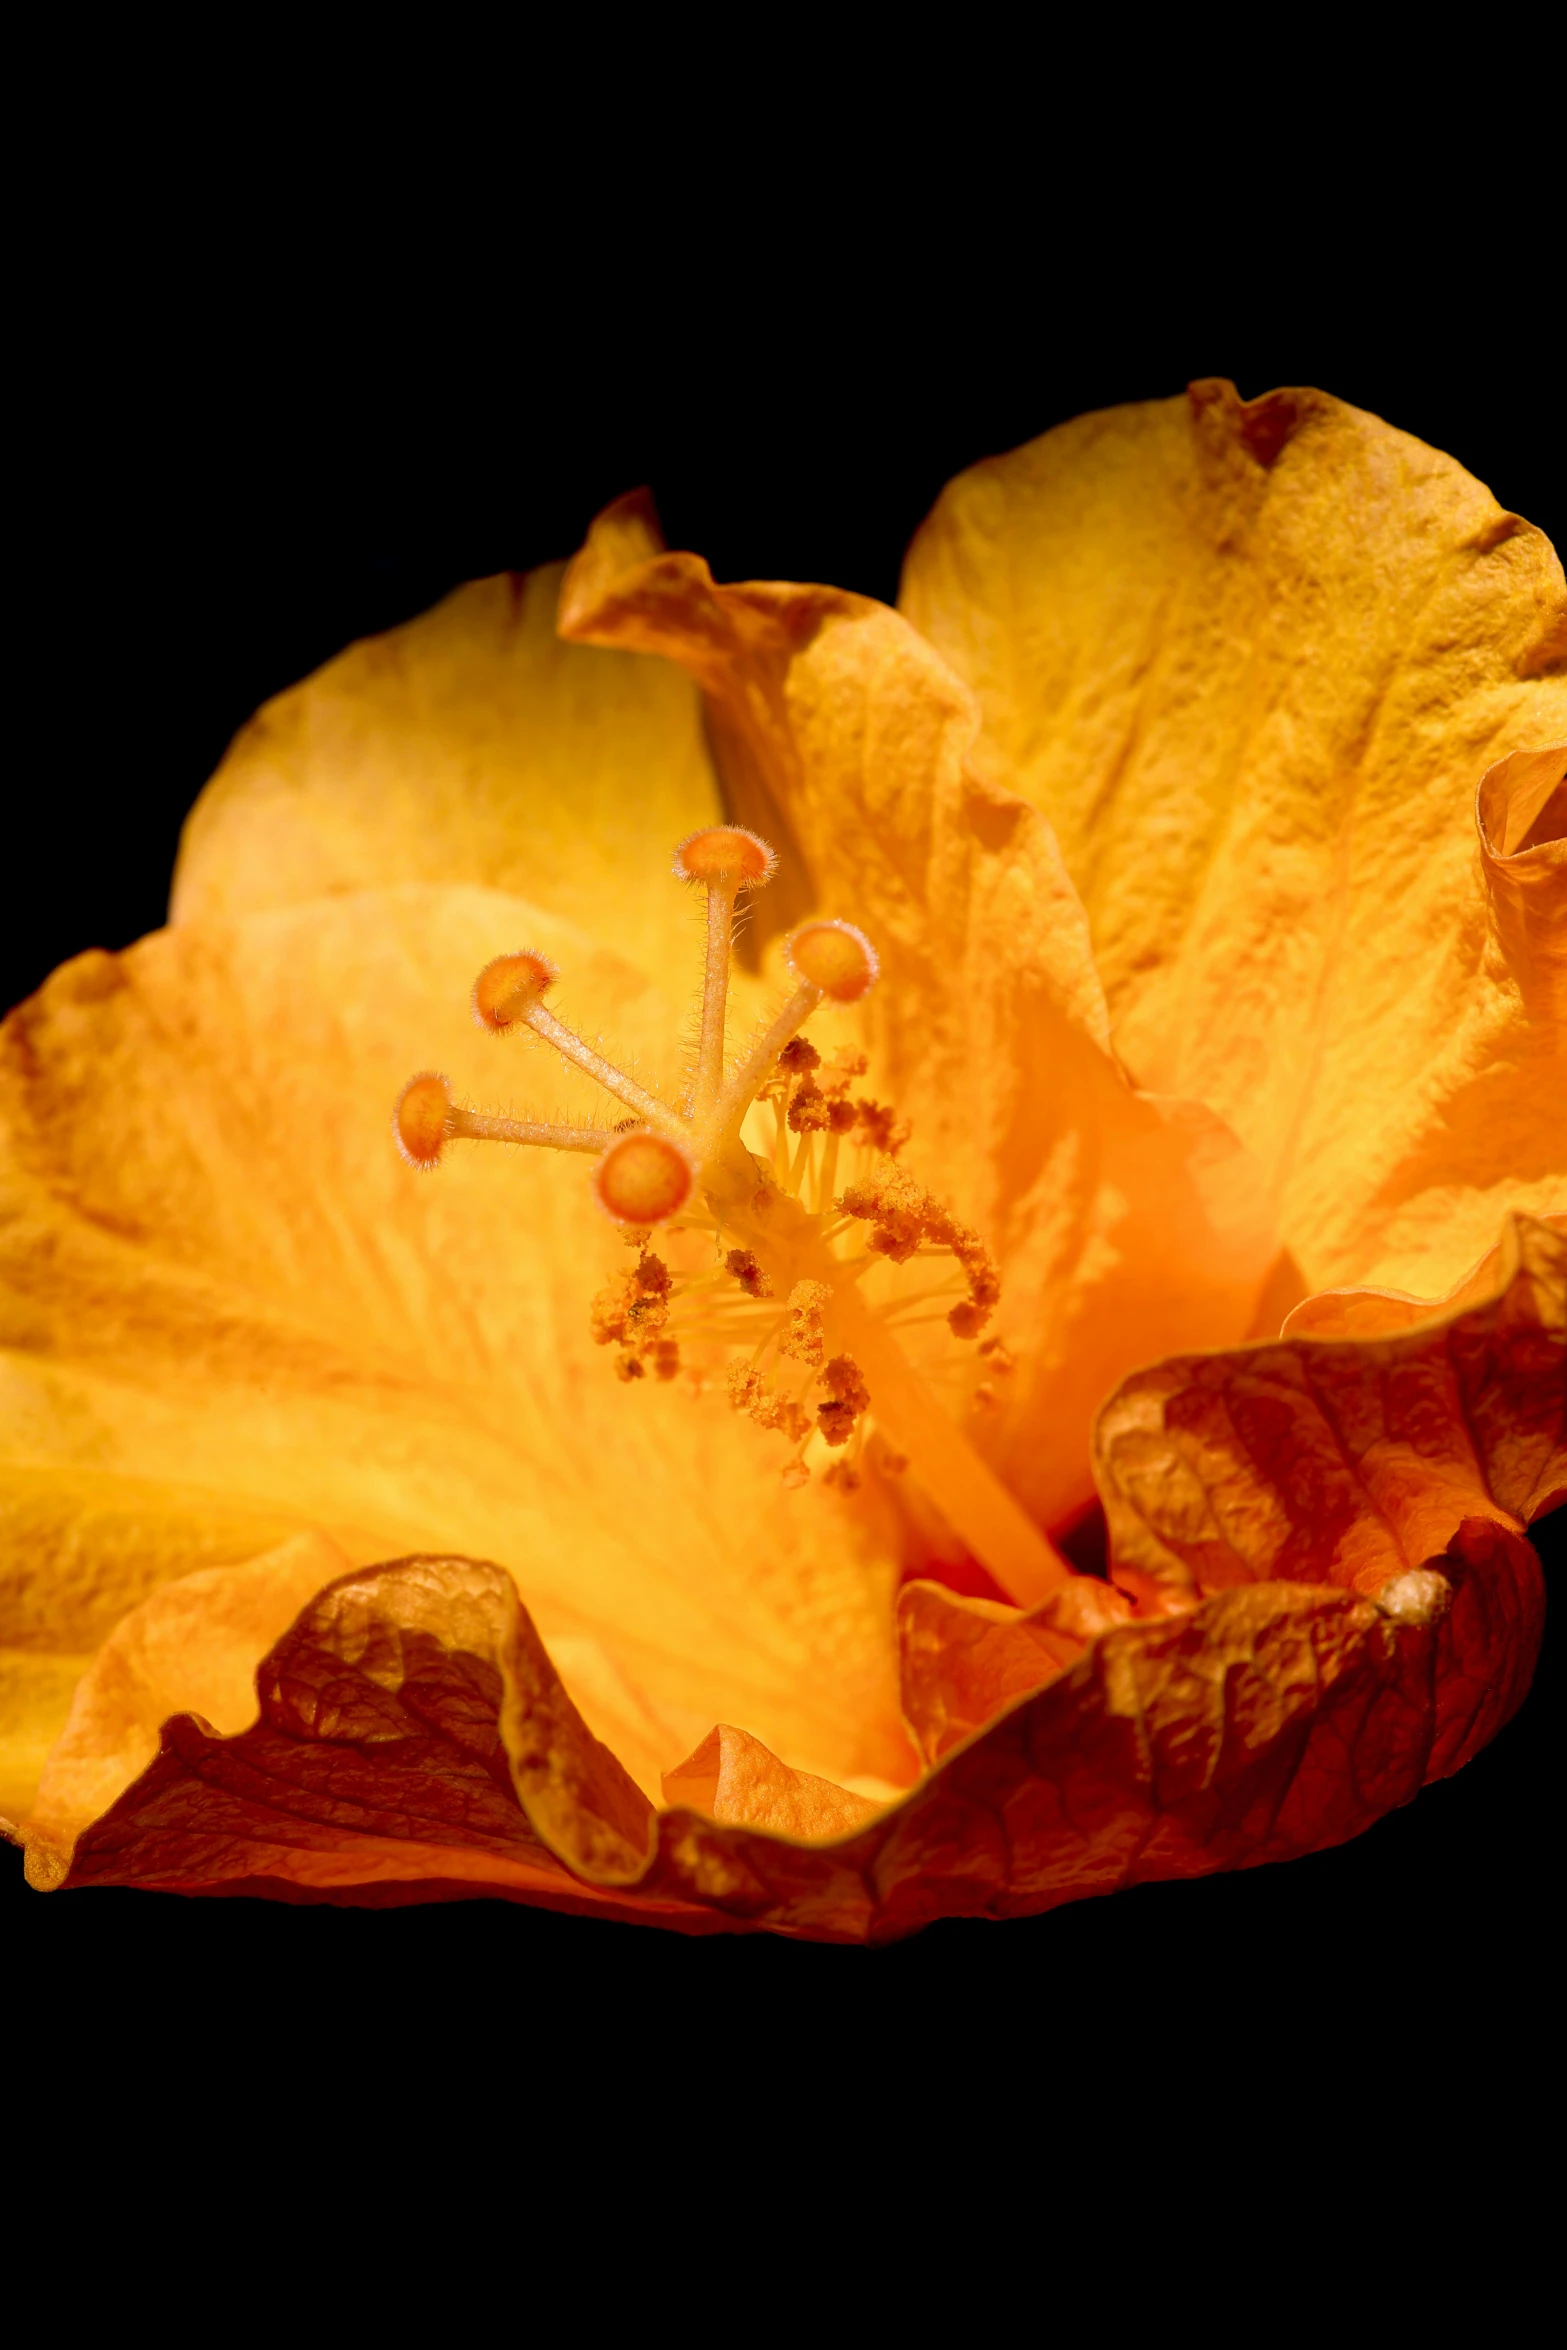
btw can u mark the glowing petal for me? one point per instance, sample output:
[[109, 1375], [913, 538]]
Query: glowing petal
[[1251, 661], [234, 1314], [470, 745], [193, 1647], [1125, 1226]]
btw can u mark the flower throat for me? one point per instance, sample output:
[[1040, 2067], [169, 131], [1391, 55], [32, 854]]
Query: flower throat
[[777, 1294]]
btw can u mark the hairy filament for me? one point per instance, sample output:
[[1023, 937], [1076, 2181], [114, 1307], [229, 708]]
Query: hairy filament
[[715, 997], [625, 1089], [735, 1099], [477, 1126]]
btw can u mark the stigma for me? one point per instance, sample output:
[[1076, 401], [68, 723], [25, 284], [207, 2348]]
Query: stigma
[[784, 1219]]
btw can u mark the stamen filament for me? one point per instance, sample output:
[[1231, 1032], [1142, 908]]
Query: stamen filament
[[604, 1073], [735, 1099], [477, 1127], [715, 995]]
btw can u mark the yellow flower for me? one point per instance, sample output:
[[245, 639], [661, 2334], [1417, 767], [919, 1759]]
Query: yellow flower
[[1200, 998]]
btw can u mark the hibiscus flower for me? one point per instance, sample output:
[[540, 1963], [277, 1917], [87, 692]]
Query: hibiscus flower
[[1122, 1097]]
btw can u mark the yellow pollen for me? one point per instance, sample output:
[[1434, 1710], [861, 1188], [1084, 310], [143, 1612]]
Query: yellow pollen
[[725, 853], [509, 987], [835, 957], [741, 1262], [805, 1339], [422, 1122], [847, 1398], [643, 1178]]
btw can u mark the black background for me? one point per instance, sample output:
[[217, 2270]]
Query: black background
[[246, 447]]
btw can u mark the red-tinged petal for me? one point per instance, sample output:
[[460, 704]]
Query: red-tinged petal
[[1350, 1462], [964, 1661]]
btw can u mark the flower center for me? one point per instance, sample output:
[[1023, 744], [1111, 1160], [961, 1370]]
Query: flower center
[[783, 1284]]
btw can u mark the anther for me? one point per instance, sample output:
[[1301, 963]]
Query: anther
[[726, 855], [422, 1121], [507, 989], [835, 957], [643, 1178]]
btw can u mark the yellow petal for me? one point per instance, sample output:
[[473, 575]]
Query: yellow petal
[[1125, 1226], [471, 745], [1252, 661], [192, 1647], [231, 1307]]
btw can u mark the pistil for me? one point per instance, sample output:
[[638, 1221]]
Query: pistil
[[780, 1285]]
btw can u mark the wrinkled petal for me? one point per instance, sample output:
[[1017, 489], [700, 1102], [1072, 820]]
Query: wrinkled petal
[[192, 1647], [963, 1661], [1521, 817], [233, 1315], [415, 1741], [732, 1776], [1349, 1461], [471, 745], [1250, 660], [1124, 1225]]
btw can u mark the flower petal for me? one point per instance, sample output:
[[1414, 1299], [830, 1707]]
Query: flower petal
[[471, 745], [732, 1776], [1351, 1461], [1250, 660], [234, 1315], [1266, 1722], [1256, 1719], [1125, 1225], [192, 1647], [964, 1661]]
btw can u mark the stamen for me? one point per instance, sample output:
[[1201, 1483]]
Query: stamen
[[791, 1227], [738, 1094], [644, 1178], [743, 1265], [805, 1339], [847, 1398]]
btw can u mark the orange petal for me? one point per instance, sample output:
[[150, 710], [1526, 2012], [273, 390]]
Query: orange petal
[[1251, 660], [378, 1768], [1368, 1313], [1521, 817], [1125, 1226], [732, 1776], [1351, 1461], [414, 1744], [963, 1661], [234, 1315], [192, 1647], [469, 746]]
